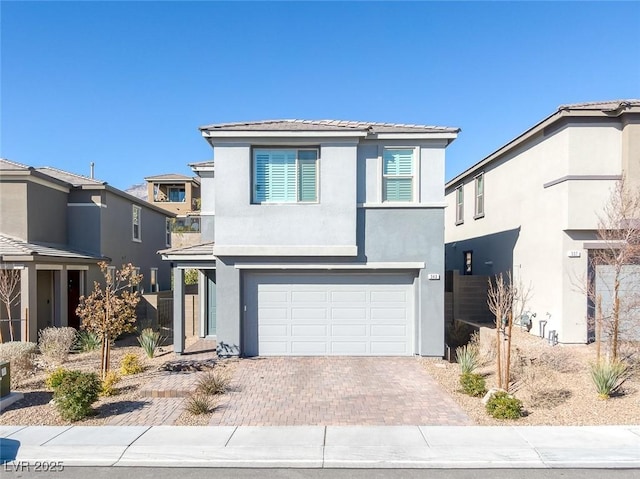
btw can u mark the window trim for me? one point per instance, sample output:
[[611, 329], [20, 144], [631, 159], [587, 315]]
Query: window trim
[[476, 214], [137, 208], [459, 204], [415, 174], [296, 149]]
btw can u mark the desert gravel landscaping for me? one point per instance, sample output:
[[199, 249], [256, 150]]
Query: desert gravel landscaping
[[554, 386]]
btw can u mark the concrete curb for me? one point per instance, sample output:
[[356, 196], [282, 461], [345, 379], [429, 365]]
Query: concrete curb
[[324, 446]]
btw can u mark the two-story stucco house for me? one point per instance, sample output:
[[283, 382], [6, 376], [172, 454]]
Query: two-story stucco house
[[55, 227], [531, 208], [321, 238]]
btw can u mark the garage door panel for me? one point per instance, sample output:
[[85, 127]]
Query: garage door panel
[[349, 348], [348, 296], [354, 331], [308, 313], [313, 330], [388, 297], [329, 314], [389, 331], [308, 296], [348, 313], [385, 314], [309, 347], [272, 297], [384, 348]]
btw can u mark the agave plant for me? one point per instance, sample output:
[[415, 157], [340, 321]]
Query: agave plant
[[149, 341], [608, 376], [468, 358]]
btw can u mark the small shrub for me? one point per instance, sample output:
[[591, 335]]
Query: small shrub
[[55, 343], [149, 341], [213, 382], [503, 405], [608, 376], [473, 384], [199, 404], [468, 358], [130, 364], [109, 384], [74, 392], [21, 356], [87, 341], [55, 378]]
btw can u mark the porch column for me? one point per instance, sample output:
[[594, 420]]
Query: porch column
[[202, 298], [29, 304], [178, 310]]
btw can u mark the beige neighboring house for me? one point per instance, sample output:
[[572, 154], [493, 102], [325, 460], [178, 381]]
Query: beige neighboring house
[[180, 195], [531, 208]]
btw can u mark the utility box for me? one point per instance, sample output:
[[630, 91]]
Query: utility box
[[5, 378]]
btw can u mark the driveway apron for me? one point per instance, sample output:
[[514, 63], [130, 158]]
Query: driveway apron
[[279, 391]]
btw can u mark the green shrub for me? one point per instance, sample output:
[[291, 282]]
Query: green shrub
[[199, 404], [130, 364], [55, 343], [21, 355], [109, 384], [608, 376], [503, 405], [74, 392], [213, 382], [87, 341], [55, 378], [149, 341], [473, 384], [468, 358]]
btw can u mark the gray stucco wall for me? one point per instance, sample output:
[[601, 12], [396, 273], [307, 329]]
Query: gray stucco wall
[[330, 222], [47, 214], [84, 225], [13, 209], [117, 239]]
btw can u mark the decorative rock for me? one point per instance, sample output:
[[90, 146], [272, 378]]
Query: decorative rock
[[490, 394], [187, 365]]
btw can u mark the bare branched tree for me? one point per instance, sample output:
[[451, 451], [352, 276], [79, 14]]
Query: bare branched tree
[[617, 258], [506, 300], [9, 295], [110, 309]]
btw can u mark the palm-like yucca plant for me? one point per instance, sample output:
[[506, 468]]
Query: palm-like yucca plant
[[149, 341], [468, 358], [608, 376]]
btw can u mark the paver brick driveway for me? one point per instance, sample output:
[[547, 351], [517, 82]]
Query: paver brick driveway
[[282, 391]]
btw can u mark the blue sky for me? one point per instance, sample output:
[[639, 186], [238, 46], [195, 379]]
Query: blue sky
[[126, 84]]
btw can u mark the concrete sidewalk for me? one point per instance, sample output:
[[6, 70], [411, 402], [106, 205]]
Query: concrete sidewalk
[[324, 446]]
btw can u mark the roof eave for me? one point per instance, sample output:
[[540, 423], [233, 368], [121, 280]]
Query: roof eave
[[225, 134]]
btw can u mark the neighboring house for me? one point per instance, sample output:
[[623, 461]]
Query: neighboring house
[[321, 238], [56, 226], [531, 208], [181, 195]]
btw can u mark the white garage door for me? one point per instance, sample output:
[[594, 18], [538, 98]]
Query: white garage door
[[329, 314]]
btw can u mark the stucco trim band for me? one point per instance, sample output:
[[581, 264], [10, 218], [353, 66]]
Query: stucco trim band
[[285, 250], [581, 178], [329, 266]]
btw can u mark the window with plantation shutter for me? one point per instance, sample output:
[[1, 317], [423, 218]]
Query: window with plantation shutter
[[479, 207], [397, 175], [285, 176]]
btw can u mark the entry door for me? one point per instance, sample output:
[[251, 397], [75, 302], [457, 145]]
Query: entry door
[[73, 298], [211, 303]]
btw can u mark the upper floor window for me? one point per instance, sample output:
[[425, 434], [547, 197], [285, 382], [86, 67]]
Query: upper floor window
[[397, 175], [285, 176], [167, 229], [460, 204], [479, 208], [176, 194], [136, 222]]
